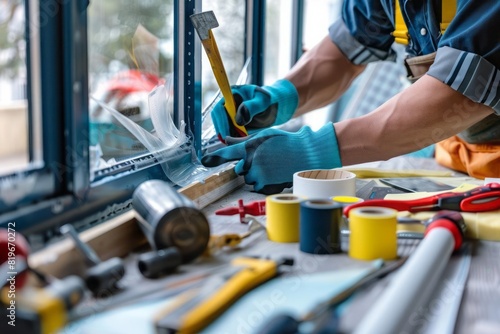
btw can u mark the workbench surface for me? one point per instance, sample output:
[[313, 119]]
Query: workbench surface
[[480, 307]]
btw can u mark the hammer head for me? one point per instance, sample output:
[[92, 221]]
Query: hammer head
[[203, 22]]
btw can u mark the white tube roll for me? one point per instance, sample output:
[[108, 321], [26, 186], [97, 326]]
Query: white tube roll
[[412, 285]]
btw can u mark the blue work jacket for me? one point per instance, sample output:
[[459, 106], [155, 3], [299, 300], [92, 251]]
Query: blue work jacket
[[467, 54]]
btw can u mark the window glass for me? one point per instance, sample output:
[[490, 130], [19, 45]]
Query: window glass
[[14, 117], [230, 38], [278, 39], [130, 46], [318, 16]]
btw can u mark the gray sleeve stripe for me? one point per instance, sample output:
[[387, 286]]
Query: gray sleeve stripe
[[495, 103], [462, 71], [457, 63], [487, 91], [469, 74], [362, 57], [493, 89], [356, 52]]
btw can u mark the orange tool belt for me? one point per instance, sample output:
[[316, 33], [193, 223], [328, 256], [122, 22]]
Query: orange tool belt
[[477, 160]]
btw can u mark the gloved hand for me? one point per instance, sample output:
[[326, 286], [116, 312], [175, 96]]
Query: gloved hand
[[269, 159], [257, 107]]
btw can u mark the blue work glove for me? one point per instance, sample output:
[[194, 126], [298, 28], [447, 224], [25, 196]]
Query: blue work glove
[[257, 107], [269, 158]]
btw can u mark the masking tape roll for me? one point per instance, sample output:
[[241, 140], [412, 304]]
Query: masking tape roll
[[324, 183], [282, 217], [320, 221], [373, 233]]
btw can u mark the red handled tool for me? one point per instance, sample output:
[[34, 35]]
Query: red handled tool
[[485, 198], [255, 208], [14, 256]]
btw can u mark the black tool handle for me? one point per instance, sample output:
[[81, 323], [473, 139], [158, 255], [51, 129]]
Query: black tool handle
[[157, 263]]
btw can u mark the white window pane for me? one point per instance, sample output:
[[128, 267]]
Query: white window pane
[[230, 39], [14, 125], [278, 47], [130, 52]]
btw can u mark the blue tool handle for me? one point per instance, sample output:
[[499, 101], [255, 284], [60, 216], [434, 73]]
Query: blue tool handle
[[280, 324], [328, 323]]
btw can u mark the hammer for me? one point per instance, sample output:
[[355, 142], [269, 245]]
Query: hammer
[[102, 276], [203, 23]]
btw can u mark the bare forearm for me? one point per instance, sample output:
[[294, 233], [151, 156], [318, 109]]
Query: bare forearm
[[321, 75], [423, 114]]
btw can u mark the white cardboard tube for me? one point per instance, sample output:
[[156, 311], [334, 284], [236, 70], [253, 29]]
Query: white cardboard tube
[[324, 183]]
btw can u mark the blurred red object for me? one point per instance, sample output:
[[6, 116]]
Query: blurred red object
[[14, 248]]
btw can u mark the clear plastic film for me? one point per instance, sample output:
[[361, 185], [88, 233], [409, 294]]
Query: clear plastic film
[[170, 146]]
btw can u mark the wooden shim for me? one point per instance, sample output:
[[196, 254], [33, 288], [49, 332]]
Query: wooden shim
[[214, 187]]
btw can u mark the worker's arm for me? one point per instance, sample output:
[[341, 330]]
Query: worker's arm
[[321, 76], [423, 114]]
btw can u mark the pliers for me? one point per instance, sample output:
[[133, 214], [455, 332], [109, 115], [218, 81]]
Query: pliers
[[480, 199]]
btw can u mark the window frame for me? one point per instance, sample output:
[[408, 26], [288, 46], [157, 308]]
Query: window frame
[[66, 194], [70, 195], [44, 107]]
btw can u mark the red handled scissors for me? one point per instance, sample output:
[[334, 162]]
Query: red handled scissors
[[480, 199]]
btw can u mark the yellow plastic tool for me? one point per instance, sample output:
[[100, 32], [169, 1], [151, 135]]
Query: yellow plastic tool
[[369, 173], [203, 23], [193, 310]]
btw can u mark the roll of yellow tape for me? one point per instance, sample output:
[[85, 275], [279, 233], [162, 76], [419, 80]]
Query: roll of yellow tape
[[373, 233], [282, 217], [347, 200]]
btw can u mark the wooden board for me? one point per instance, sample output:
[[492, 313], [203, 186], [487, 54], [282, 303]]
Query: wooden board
[[120, 235]]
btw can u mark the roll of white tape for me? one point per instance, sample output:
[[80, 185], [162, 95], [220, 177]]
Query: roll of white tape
[[324, 183]]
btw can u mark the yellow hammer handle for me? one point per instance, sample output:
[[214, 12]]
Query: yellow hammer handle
[[215, 59]]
